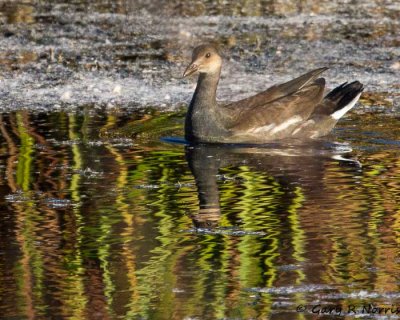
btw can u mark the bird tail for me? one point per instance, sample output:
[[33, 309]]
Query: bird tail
[[343, 98]]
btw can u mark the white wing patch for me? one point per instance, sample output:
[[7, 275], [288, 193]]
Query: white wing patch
[[286, 124], [341, 112]]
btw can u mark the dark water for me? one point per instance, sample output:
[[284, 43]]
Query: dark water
[[102, 217], [101, 220]]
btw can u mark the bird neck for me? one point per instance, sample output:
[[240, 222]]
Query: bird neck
[[204, 119], [206, 90]]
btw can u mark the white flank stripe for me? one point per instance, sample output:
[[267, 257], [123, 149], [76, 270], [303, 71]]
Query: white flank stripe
[[304, 125], [341, 112], [264, 128], [286, 124]]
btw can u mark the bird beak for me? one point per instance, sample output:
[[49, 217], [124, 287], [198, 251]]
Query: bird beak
[[192, 68]]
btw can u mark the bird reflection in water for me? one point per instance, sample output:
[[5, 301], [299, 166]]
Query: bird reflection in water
[[291, 166]]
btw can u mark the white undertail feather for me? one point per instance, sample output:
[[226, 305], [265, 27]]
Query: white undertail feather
[[341, 112], [341, 158]]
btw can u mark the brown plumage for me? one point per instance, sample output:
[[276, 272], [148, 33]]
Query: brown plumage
[[293, 110]]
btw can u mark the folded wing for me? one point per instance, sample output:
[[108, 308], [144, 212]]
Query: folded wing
[[277, 117]]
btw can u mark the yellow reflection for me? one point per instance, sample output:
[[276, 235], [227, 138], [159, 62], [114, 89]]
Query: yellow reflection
[[74, 293], [122, 205]]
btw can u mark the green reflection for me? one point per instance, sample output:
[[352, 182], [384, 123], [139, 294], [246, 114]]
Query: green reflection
[[75, 299], [126, 247], [25, 155]]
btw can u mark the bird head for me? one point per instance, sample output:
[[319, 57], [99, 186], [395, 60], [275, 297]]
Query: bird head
[[205, 59]]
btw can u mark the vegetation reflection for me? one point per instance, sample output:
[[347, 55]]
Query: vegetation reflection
[[125, 226]]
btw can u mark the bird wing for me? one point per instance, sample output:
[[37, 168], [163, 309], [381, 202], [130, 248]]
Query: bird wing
[[276, 91], [282, 112]]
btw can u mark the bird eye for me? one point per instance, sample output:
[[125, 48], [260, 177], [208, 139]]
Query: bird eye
[[208, 55]]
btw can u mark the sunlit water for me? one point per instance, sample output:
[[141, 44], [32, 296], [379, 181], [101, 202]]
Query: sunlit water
[[59, 53], [101, 220]]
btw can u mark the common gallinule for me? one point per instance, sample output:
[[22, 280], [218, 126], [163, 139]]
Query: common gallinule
[[295, 109]]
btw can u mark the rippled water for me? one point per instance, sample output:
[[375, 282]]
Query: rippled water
[[101, 220]]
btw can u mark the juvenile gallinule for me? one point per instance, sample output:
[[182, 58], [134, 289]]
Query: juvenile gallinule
[[296, 109]]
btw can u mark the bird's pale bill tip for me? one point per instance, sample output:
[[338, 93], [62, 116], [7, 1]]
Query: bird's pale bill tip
[[192, 68]]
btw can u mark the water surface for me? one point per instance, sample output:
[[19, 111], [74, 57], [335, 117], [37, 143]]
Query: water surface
[[103, 221]]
